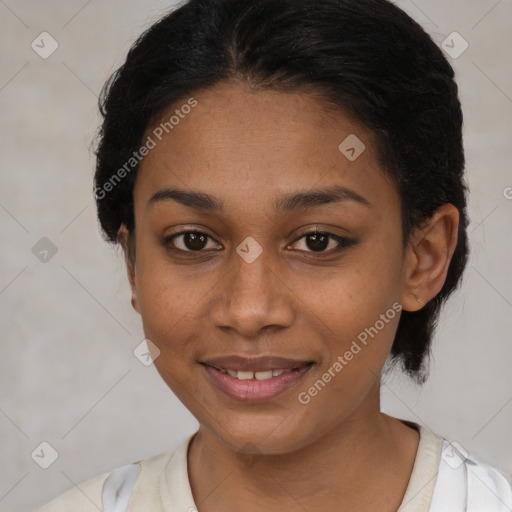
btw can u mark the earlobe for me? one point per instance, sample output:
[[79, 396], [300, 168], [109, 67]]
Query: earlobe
[[134, 302], [428, 257]]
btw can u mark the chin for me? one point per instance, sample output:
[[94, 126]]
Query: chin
[[262, 434]]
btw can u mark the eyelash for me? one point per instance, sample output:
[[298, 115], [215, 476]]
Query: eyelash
[[342, 242]]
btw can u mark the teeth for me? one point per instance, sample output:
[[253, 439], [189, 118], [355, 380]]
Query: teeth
[[244, 375], [263, 375]]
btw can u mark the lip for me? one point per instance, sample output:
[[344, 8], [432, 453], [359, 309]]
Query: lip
[[254, 364], [252, 390]]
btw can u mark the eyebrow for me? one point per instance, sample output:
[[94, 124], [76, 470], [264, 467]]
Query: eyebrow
[[296, 201]]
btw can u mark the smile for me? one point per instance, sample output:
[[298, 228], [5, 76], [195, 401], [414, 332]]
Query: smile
[[254, 380], [244, 375]]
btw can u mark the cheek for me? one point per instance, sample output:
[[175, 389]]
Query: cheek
[[353, 295], [356, 309], [167, 292], [167, 305]]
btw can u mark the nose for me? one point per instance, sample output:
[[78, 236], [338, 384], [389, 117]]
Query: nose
[[253, 297]]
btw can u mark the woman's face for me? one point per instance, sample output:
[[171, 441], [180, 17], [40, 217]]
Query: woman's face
[[256, 281]]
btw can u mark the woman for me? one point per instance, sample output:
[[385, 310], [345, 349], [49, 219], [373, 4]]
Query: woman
[[286, 180]]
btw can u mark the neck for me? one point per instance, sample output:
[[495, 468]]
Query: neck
[[336, 470]]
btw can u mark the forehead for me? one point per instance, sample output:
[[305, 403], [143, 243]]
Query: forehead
[[259, 144]]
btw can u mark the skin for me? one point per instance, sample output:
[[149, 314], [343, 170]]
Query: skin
[[247, 148]]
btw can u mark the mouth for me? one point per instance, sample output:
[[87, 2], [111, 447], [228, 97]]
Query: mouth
[[257, 375], [252, 380]]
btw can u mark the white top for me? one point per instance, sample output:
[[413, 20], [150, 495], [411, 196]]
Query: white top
[[445, 478]]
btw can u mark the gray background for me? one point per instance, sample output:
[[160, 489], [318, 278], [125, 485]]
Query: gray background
[[68, 375]]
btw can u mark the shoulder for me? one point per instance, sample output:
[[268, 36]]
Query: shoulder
[[487, 486], [446, 477], [465, 477], [143, 476], [84, 497]]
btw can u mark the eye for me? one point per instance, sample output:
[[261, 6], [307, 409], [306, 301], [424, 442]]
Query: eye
[[319, 241], [189, 241], [197, 241]]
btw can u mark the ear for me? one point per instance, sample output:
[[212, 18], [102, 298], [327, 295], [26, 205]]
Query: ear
[[123, 236], [428, 256]]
